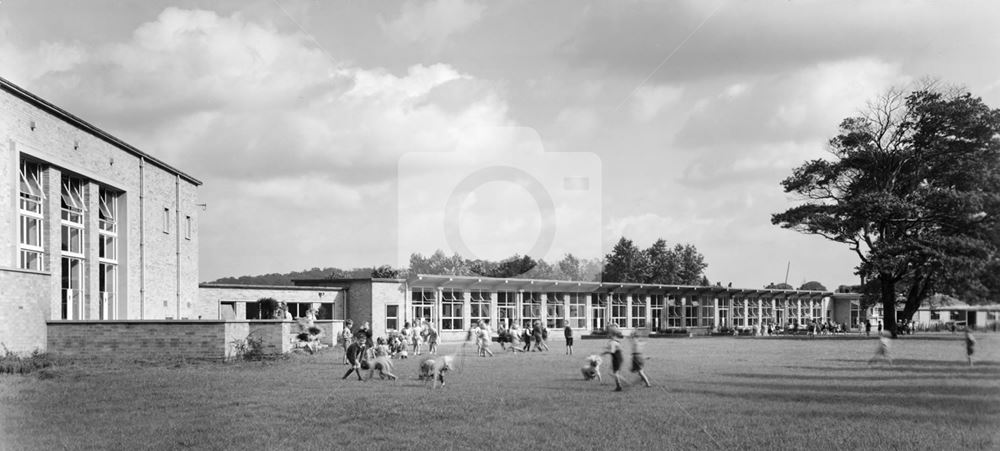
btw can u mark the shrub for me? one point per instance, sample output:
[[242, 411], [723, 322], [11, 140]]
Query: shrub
[[14, 363], [268, 308], [249, 348]]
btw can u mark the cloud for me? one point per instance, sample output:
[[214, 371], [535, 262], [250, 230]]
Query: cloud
[[432, 23], [648, 101]]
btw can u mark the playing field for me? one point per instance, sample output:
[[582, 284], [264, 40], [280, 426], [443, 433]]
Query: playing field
[[708, 393]]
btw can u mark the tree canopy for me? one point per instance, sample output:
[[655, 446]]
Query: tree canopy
[[680, 265], [913, 187]]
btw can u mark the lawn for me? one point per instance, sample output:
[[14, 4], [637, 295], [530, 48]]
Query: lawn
[[708, 393]]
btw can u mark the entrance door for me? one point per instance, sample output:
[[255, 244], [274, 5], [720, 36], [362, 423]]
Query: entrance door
[[724, 317]]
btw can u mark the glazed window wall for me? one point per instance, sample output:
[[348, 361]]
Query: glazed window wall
[[31, 222]]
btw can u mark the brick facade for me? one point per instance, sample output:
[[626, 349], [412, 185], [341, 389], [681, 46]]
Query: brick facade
[[157, 268]]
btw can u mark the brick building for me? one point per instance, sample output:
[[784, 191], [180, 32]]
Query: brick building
[[91, 228]]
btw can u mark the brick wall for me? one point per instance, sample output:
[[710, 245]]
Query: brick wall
[[160, 339]]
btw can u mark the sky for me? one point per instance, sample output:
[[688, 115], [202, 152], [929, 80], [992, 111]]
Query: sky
[[350, 133]]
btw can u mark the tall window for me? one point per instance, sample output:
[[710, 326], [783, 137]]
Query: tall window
[[506, 307], [656, 304], [739, 313], [638, 311], [424, 301], [451, 309], [73, 208], [392, 317], [479, 306], [555, 310], [707, 314], [675, 313], [108, 253], [619, 309], [531, 307], [166, 220], [30, 248], [691, 312], [577, 310]]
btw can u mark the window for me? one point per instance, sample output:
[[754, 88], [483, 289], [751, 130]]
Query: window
[[479, 306], [577, 310], [451, 309], [691, 312], [31, 224], [166, 220], [107, 285], [324, 310], [531, 307], [675, 313], [187, 227], [707, 314], [555, 310], [656, 303], [935, 314], [738, 313], [424, 301], [638, 312], [506, 307], [619, 309], [391, 316], [598, 311]]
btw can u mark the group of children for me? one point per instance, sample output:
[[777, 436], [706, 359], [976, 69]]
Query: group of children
[[592, 368]]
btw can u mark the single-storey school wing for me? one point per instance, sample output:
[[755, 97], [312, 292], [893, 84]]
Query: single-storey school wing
[[452, 304]]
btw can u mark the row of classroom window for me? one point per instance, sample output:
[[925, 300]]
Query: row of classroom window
[[453, 309]]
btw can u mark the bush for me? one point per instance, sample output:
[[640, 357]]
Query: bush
[[250, 348], [13, 363], [268, 308]]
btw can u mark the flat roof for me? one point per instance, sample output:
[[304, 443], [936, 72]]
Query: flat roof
[[75, 121], [433, 280], [235, 286]]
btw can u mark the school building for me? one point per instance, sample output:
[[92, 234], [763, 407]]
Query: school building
[[91, 228], [453, 303]]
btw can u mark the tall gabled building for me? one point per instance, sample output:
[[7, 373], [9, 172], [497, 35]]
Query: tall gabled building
[[91, 228]]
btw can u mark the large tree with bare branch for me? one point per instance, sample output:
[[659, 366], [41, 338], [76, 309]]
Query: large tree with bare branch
[[913, 187]]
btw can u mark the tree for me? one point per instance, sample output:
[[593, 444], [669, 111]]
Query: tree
[[663, 264], [384, 272], [778, 286], [626, 263], [570, 267], [813, 286], [690, 264], [438, 263], [914, 189]]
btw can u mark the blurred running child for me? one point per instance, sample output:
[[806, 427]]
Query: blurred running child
[[381, 361], [615, 349], [970, 345], [568, 332], [355, 353], [638, 362], [882, 351]]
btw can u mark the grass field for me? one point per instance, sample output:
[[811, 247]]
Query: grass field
[[708, 393]]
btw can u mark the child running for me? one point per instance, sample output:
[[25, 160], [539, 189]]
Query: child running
[[638, 362], [381, 362], [882, 352], [568, 332], [970, 345], [615, 349]]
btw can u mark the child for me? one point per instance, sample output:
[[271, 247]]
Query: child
[[381, 362], [592, 369], [638, 362], [354, 355], [882, 352], [568, 332], [970, 345], [434, 368], [615, 349], [346, 338]]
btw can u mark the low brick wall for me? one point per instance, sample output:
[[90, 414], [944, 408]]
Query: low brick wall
[[209, 339]]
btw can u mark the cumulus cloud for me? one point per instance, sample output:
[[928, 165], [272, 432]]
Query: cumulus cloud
[[433, 22]]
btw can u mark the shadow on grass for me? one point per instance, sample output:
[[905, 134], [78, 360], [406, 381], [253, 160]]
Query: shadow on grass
[[880, 376]]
